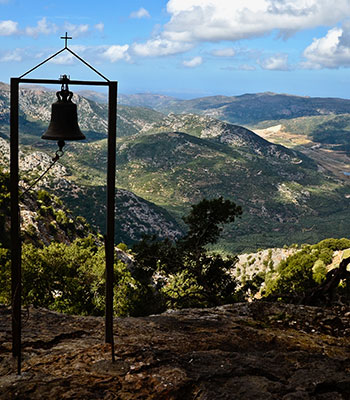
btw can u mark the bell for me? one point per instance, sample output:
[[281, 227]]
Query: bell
[[64, 118]]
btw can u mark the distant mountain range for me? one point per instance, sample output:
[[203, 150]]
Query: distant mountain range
[[246, 109], [166, 162]]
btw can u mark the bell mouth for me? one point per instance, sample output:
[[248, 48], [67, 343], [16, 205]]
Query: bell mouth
[[63, 137]]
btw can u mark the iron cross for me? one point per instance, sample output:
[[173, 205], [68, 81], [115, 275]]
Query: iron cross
[[66, 39]]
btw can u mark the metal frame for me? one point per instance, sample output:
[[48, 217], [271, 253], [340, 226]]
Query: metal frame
[[16, 247]]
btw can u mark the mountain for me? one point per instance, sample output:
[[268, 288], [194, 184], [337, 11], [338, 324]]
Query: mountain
[[173, 161], [143, 100], [44, 217], [156, 101], [249, 109], [134, 216], [98, 97], [35, 113], [328, 129], [284, 195]]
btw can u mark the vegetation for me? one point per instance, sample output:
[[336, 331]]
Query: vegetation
[[61, 277], [4, 206], [302, 272], [288, 200], [70, 278], [192, 277], [174, 161]]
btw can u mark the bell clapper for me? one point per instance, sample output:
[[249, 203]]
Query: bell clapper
[[59, 152]]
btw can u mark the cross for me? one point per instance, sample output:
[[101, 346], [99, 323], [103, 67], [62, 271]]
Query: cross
[[66, 39]]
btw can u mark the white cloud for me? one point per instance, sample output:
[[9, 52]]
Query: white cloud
[[76, 30], [160, 47], [141, 13], [216, 20], [99, 27], [115, 53], [247, 67], [12, 56], [194, 62], [8, 28], [112, 53], [331, 51], [195, 21], [226, 52], [42, 27], [63, 59], [277, 62]]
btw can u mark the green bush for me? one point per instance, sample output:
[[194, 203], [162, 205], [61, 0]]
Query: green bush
[[43, 197], [71, 279], [303, 270], [319, 271], [61, 277], [183, 291]]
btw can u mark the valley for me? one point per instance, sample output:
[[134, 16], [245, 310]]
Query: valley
[[326, 155]]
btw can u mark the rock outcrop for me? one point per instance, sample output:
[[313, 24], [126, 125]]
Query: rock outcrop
[[242, 351]]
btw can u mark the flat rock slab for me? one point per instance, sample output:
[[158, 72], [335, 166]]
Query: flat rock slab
[[242, 351]]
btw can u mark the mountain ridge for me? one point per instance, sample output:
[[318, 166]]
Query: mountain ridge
[[251, 108]]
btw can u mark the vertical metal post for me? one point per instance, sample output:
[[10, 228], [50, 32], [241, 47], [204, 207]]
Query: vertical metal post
[[16, 285], [111, 166]]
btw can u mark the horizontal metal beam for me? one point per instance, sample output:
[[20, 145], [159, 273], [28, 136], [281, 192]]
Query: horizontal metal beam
[[58, 81]]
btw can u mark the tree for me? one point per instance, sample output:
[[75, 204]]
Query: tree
[[65, 278], [205, 222], [193, 276]]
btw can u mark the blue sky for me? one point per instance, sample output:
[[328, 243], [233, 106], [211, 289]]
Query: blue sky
[[185, 48]]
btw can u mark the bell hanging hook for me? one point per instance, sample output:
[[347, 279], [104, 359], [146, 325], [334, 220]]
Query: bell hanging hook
[[64, 94]]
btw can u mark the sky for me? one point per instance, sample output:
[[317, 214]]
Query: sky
[[184, 48]]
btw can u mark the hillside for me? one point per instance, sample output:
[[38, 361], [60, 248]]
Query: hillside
[[318, 127], [44, 218], [283, 194], [134, 215], [247, 109], [155, 101], [174, 161], [35, 113], [241, 351]]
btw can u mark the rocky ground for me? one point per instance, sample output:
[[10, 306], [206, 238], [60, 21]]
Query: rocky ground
[[243, 351]]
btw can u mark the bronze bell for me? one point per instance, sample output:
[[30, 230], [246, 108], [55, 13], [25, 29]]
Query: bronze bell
[[64, 118]]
